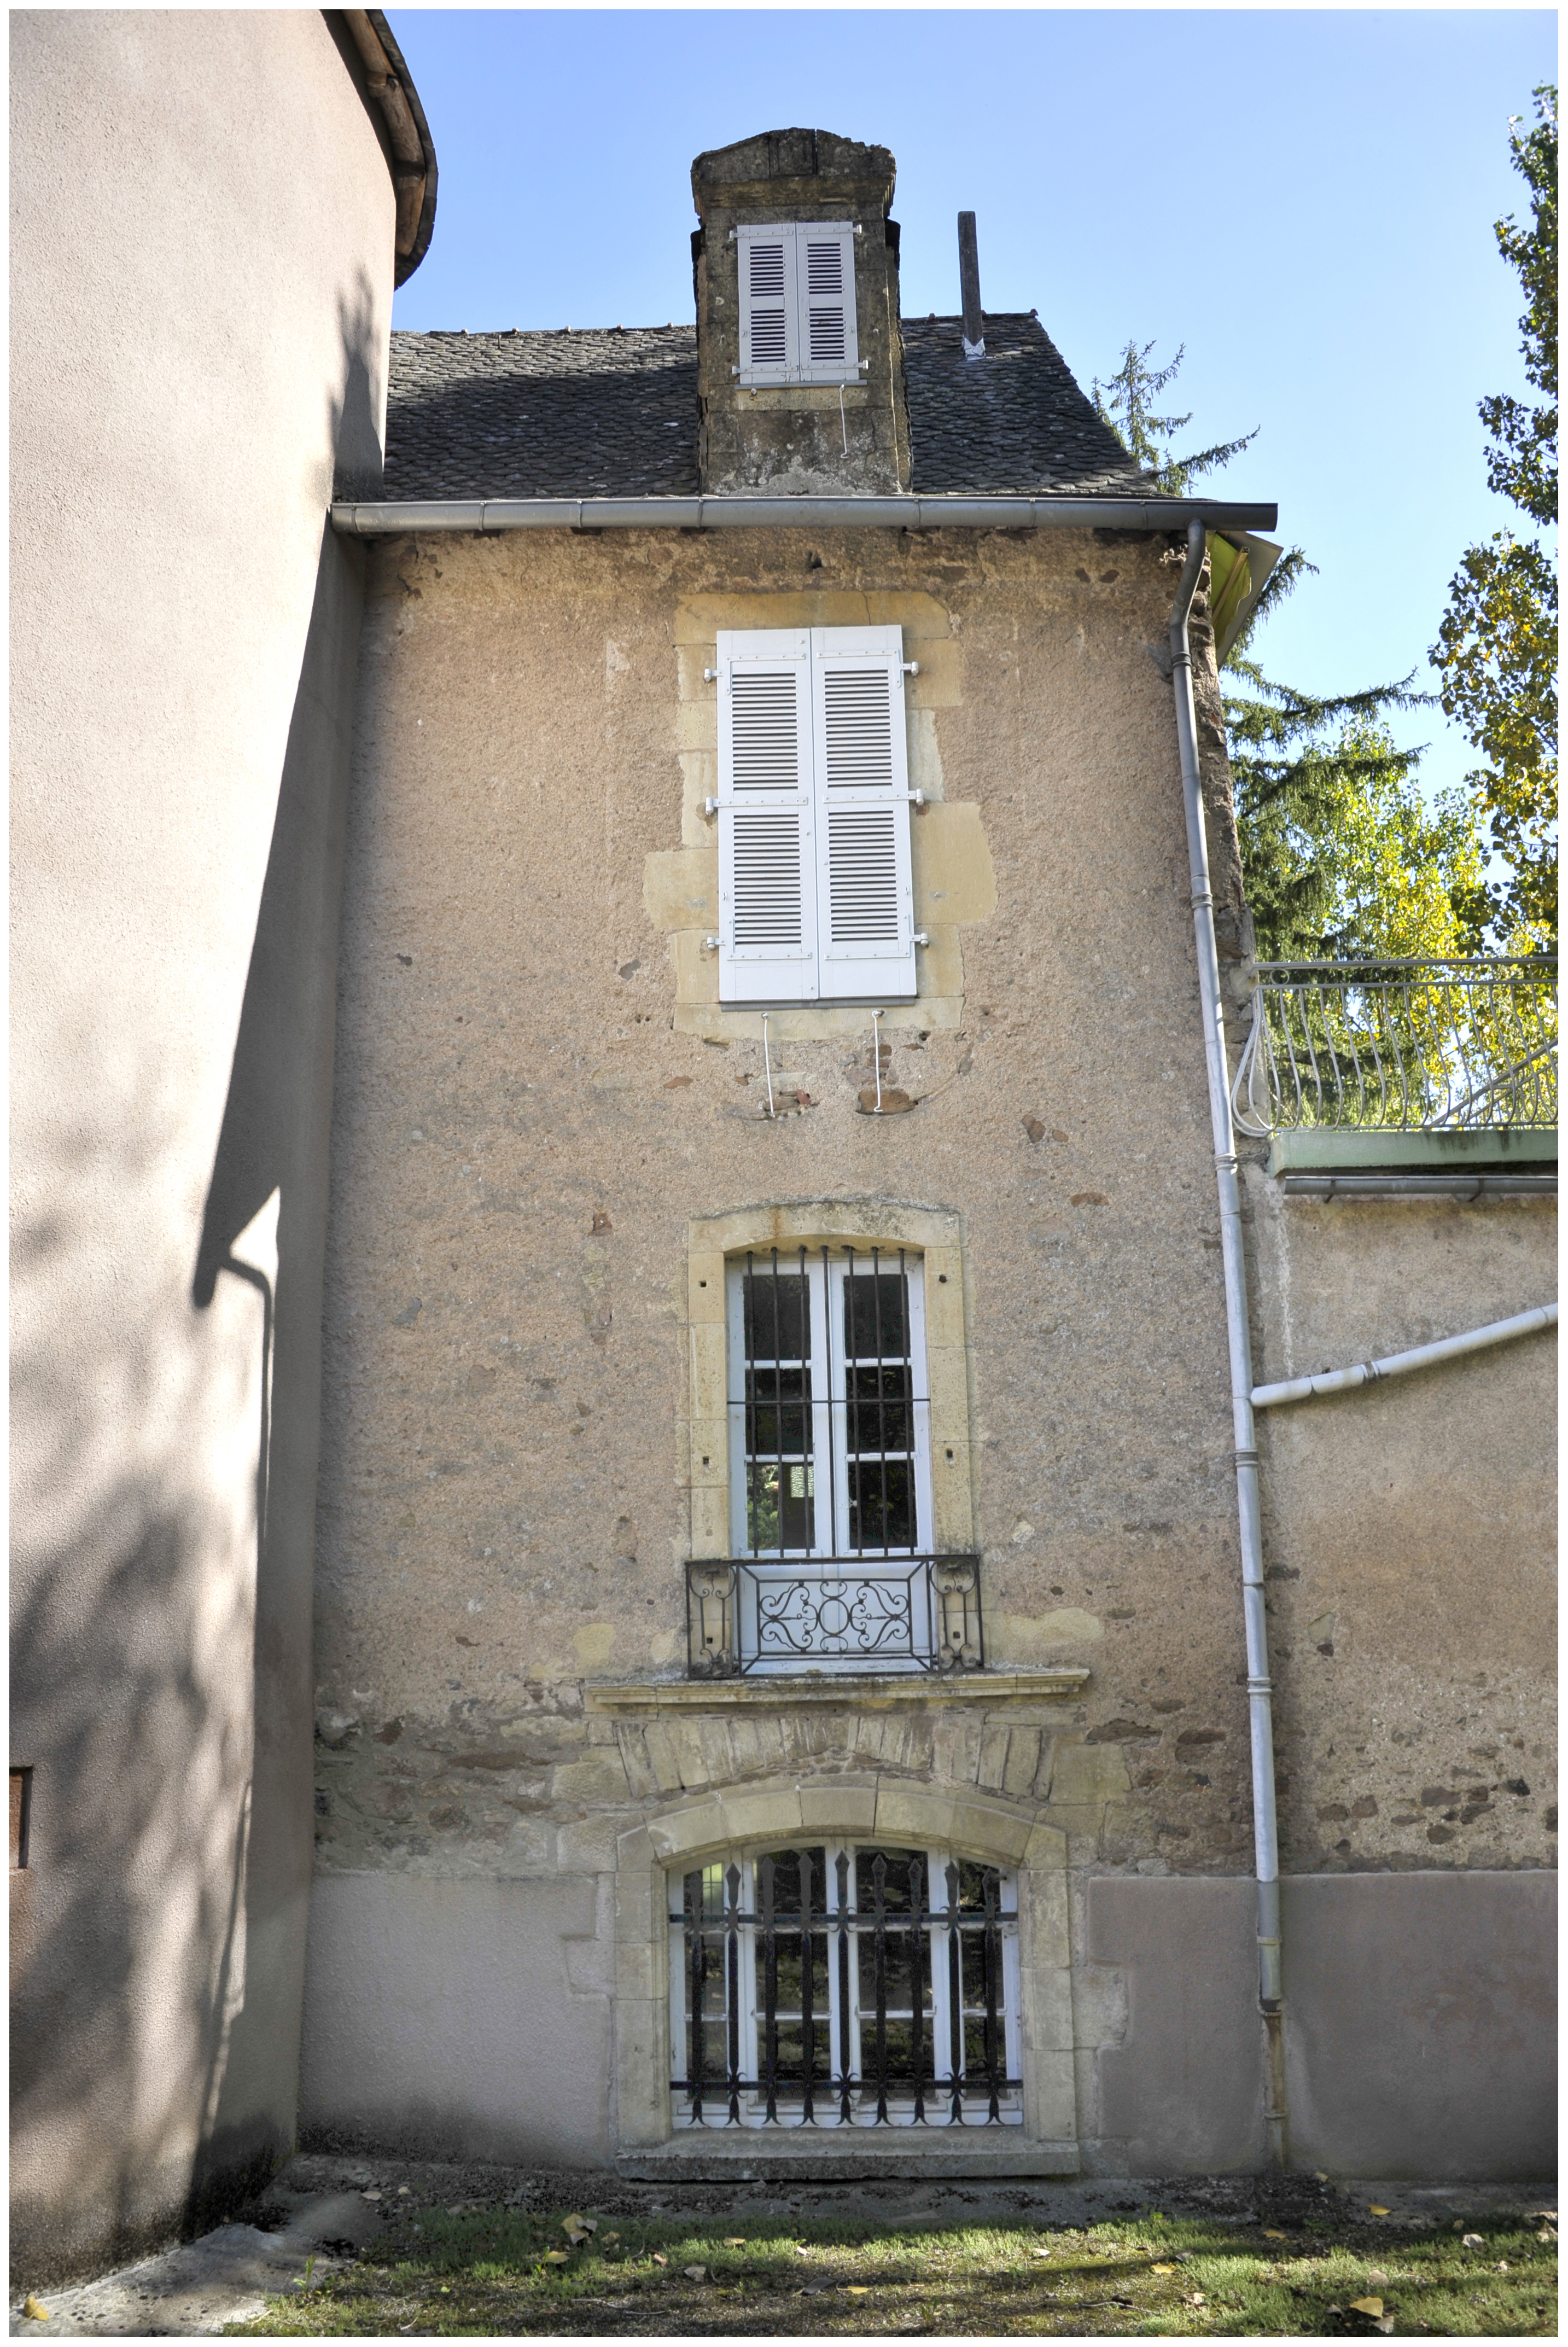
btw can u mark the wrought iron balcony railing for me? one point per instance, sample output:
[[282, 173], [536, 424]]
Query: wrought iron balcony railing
[[1404, 1046], [762, 1616]]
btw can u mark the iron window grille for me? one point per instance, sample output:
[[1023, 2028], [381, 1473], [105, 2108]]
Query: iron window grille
[[830, 1478], [846, 1985]]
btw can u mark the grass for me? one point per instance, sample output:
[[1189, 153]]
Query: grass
[[485, 2273]]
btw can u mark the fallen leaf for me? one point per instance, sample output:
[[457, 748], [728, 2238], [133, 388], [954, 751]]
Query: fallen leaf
[[800, 2251], [370, 2195], [1376, 2273], [1039, 2253], [695, 2273], [1374, 2210], [857, 2289], [1546, 2234], [403, 2191], [1502, 2265], [731, 2240], [1385, 2323], [1162, 2269], [1270, 2235], [1321, 2173], [33, 2310], [1472, 2241], [563, 2258], [1196, 2298], [1366, 2306], [658, 2258]]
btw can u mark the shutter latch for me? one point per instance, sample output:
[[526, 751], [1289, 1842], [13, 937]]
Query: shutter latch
[[710, 808]]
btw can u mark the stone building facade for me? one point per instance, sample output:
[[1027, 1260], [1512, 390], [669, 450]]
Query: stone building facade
[[554, 1145]]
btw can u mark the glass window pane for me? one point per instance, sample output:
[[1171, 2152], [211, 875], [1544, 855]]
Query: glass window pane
[[776, 1315], [876, 1316]]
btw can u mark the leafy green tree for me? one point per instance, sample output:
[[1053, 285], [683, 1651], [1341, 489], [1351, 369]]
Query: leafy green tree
[[1496, 651]]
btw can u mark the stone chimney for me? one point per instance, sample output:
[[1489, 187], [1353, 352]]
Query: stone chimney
[[799, 362]]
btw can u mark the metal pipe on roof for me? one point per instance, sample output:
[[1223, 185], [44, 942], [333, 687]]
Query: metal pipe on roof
[[969, 288], [1259, 1689], [1400, 1364], [395, 517]]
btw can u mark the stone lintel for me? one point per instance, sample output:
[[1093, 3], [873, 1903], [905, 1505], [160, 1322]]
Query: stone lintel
[[865, 1692]]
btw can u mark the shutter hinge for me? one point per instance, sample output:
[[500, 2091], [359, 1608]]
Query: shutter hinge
[[710, 808], [922, 937], [710, 676], [711, 945], [911, 668]]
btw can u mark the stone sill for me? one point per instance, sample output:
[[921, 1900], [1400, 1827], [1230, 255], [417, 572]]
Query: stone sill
[[881, 1693], [1328, 1149], [752, 2155]]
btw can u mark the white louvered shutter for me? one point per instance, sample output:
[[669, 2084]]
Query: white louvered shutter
[[824, 281], [770, 314], [865, 943], [768, 851]]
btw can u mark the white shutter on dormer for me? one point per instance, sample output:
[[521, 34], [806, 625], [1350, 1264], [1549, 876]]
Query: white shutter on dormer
[[767, 849], [770, 311], [824, 281], [865, 943]]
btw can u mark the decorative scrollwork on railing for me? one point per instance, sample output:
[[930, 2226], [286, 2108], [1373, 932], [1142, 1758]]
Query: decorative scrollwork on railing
[[710, 1626], [845, 1614], [834, 1617]]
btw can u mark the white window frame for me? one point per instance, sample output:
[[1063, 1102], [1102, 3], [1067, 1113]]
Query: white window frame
[[828, 2111], [796, 305], [816, 898], [825, 1282]]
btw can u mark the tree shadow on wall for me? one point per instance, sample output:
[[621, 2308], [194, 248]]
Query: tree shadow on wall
[[158, 1992]]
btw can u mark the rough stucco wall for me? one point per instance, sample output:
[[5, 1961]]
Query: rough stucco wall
[[502, 1502], [532, 1104], [202, 247], [522, 1134], [1409, 1533]]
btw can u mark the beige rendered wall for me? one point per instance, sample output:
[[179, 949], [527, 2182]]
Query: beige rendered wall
[[545, 1128], [1410, 1533], [537, 1103], [203, 253]]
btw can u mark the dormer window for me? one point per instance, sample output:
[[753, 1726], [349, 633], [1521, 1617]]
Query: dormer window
[[797, 304]]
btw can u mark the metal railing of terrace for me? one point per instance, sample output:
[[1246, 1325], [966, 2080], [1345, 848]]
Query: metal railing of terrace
[[1407, 1046]]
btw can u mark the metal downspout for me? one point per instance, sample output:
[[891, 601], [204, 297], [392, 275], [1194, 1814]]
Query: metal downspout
[[1265, 1834]]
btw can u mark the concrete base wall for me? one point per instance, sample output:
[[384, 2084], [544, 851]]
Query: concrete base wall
[[447, 2018], [473, 2019], [1420, 2034]]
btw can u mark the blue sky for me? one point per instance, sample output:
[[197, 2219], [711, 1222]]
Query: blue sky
[[1304, 199]]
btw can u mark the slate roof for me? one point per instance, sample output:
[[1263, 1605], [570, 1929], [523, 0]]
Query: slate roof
[[612, 412]]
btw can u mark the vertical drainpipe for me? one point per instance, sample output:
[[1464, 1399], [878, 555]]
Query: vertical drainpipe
[[1266, 1832]]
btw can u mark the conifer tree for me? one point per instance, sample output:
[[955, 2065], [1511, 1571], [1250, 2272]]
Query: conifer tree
[[1328, 809]]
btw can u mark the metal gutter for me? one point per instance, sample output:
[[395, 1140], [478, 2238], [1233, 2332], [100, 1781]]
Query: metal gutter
[[1324, 1186], [414, 174], [1400, 1364], [490, 516], [1259, 1689]]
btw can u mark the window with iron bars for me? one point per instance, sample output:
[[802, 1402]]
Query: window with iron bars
[[830, 1477], [846, 1985]]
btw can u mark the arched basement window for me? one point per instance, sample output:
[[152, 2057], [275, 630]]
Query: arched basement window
[[846, 1984]]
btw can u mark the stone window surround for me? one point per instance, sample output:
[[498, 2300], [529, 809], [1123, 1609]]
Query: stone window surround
[[705, 1826], [936, 1234]]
